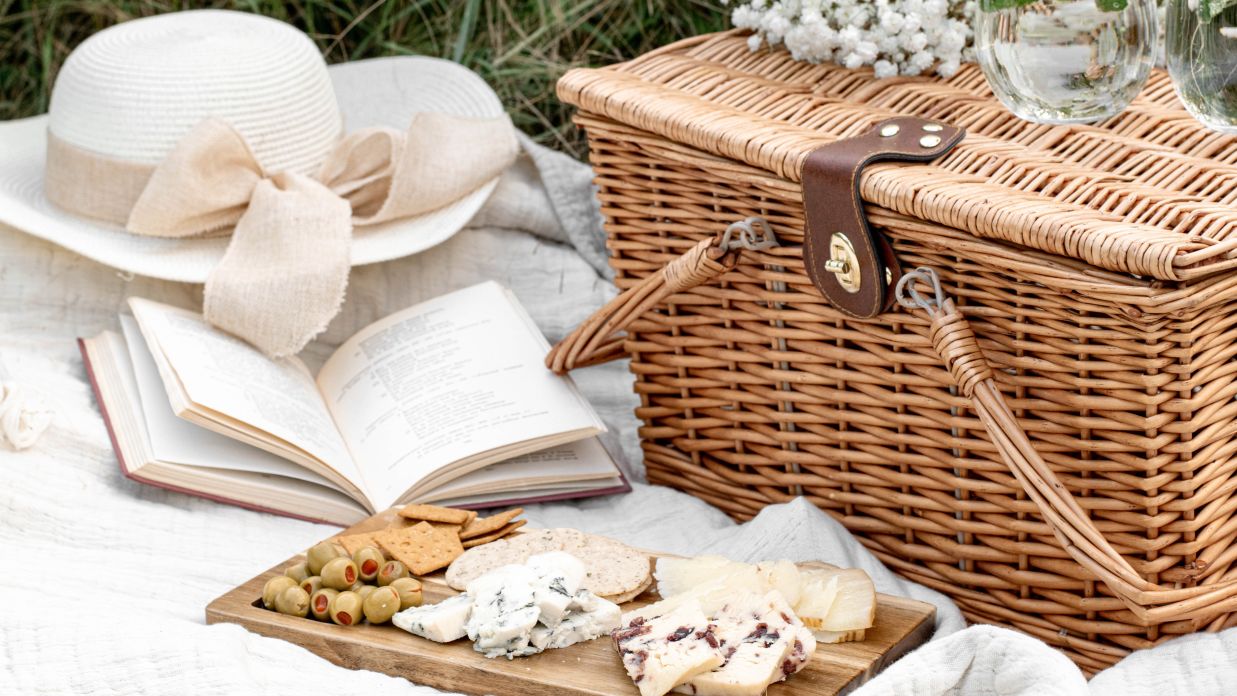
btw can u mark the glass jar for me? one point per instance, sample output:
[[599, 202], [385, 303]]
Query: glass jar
[[1066, 61], [1200, 41]]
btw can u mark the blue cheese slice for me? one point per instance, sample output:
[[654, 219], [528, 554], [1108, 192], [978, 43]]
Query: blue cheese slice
[[662, 652], [559, 576], [442, 622], [504, 612], [763, 642], [589, 617]]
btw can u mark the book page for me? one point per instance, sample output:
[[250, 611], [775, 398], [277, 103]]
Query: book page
[[224, 375], [565, 466], [443, 380], [178, 441]]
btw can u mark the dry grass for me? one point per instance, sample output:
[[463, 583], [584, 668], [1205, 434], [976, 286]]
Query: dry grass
[[519, 46]]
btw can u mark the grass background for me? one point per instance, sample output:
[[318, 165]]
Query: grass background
[[519, 46]]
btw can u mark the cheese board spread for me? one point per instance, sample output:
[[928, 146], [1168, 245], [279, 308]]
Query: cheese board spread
[[541, 611]]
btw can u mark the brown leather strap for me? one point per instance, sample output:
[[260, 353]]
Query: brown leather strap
[[832, 205]]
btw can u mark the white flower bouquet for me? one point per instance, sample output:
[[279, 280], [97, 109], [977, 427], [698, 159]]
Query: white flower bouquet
[[895, 37]]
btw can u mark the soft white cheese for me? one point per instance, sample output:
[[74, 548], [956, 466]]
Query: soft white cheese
[[518, 610], [661, 652], [559, 576], [442, 622], [590, 617], [504, 612]]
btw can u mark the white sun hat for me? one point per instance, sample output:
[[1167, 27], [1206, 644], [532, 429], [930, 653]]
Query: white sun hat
[[217, 147]]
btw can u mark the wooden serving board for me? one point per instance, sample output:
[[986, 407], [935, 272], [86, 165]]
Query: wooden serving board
[[584, 669]]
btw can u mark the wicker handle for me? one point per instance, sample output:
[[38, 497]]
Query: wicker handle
[[957, 346], [599, 338]]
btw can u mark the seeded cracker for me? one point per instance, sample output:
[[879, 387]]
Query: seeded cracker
[[355, 542], [490, 525], [434, 513], [477, 541], [421, 547]]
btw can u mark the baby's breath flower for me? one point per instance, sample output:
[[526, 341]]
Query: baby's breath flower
[[895, 37]]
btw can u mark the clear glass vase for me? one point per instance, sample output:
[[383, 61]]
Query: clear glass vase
[[1200, 41], [1066, 61]]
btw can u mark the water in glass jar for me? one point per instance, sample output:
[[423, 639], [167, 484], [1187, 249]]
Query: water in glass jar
[[1074, 61]]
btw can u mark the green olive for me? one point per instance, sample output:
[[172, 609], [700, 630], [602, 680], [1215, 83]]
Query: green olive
[[364, 591], [409, 591], [346, 609], [381, 605], [273, 587], [339, 573], [320, 555], [391, 571], [368, 560], [298, 571], [356, 586], [311, 584], [320, 603], [293, 601]]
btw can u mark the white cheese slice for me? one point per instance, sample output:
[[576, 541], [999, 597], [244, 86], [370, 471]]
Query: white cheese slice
[[442, 622], [504, 612], [580, 624], [661, 652], [763, 641], [559, 577]]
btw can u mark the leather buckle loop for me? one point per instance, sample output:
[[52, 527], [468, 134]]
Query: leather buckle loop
[[852, 265]]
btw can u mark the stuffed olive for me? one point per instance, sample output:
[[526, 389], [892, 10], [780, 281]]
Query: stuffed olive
[[298, 571], [391, 571], [320, 555], [293, 601], [409, 591], [339, 573], [272, 588], [320, 603], [381, 605], [368, 561], [346, 609]]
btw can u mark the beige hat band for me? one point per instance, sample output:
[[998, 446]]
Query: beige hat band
[[92, 185], [284, 273]]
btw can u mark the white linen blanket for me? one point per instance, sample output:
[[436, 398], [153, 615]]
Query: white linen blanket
[[103, 581]]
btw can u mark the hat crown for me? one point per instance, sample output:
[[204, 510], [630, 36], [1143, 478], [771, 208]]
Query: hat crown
[[132, 91]]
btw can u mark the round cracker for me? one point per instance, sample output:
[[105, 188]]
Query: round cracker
[[545, 540], [628, 596], [478, 561], [613, 567]]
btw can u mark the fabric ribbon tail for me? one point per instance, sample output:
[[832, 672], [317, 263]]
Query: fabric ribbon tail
[[285, 272]]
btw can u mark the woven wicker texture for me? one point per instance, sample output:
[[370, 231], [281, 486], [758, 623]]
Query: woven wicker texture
[[1090, 262]]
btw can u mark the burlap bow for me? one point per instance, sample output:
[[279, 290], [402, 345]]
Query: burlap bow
[[285, 270]]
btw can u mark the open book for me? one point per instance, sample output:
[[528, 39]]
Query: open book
[[447, 401]]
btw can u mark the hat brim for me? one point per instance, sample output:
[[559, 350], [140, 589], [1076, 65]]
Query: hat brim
[[376, 92]]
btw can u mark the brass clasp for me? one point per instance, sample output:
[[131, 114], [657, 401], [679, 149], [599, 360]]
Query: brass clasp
[[843, 262]]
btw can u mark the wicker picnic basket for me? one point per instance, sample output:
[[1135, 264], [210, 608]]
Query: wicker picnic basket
[[1068, 473]]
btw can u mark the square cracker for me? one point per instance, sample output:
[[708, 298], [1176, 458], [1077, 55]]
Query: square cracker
[[477, 541], [489, 525], [355, 542], [434, 513], [422, 547]]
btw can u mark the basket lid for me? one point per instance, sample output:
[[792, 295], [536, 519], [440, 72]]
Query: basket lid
[[1149, 192]]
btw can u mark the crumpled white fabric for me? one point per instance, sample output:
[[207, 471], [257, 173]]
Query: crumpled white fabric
[[151, 560], [23, 419]]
